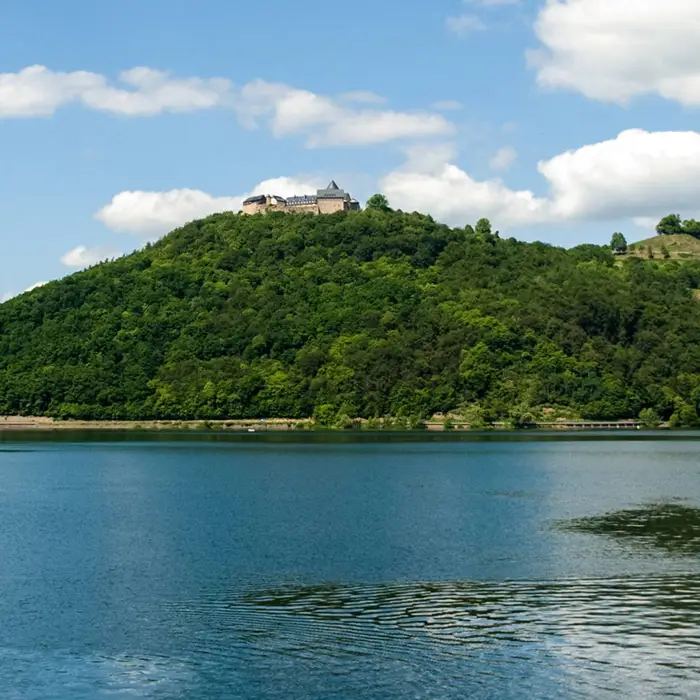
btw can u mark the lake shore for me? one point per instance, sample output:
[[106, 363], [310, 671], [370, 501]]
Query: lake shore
[[278, 424]]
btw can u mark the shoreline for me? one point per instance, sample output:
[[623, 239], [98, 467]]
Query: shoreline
[[31, 423]]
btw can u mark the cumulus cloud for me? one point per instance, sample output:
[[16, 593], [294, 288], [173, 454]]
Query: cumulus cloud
[[82, 256], [451, 195], [154, 91], [324, 122], [638, 174], [152, 214], [503, 158], [37, 91], [614, 50], [464, 24]]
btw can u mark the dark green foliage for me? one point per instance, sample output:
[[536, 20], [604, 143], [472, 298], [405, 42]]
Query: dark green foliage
[[692, 227], [359, 314], [672, 224], [618, 244]]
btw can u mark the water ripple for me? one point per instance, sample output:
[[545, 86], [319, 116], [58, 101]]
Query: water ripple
[[579, 639]]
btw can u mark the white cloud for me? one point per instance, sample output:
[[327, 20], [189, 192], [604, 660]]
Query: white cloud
[[324, 122], [11, 295], [451, 195], [424, 157], [36, 285], [638, 174], [447, 105], [37, 91], [363, 96], [152, 214], [614, 50], [85, 257], [464, 24], [154, 91], [503, 158]]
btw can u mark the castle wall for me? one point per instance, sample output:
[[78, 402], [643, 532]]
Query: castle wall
[[330, 206], [303, 208], [325, 203], [254, 208]]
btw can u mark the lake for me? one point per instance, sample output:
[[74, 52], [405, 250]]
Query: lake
[[205, 567]]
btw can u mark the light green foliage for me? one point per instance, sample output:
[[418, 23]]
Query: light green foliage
[[649, 418], [522, 416], [378, 201], [355, 315]]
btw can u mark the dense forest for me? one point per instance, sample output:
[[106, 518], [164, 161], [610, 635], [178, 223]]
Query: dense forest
[[361, 314]]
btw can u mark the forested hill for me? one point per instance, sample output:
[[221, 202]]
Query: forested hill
[[355, 314]]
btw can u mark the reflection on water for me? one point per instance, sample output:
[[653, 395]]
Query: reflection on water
[[196, 570], [670, 526], [40, 675], [591, 639], [588, 639]]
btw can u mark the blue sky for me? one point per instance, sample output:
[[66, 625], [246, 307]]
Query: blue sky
[[561, 120]]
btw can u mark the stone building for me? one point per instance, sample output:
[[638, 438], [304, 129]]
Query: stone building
[[327, 201]]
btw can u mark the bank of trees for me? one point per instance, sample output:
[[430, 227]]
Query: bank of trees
[[673, 225], [359, 314]]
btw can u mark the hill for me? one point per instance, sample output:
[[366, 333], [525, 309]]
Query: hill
[[681, 246], [355, 314]]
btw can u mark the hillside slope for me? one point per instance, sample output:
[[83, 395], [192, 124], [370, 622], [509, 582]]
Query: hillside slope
[[361, 314], [678, 247]]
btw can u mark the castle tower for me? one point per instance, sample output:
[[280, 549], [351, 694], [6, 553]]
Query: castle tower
[[334, 199]]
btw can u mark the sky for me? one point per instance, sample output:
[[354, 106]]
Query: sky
[[560, 120]]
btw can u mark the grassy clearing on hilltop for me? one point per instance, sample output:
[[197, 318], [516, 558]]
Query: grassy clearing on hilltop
[[675, 247]]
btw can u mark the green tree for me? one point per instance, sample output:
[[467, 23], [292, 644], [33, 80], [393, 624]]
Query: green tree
[[355, 316], [483, 228], [618, 244], [670, 225], [649, 418], [379, 202], [692, 227]]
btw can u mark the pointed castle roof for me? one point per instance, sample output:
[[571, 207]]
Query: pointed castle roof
[[332, 192]]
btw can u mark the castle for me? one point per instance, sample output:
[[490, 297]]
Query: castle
[[327, 201]]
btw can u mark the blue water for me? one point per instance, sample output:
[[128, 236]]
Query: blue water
[[208, 568]]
